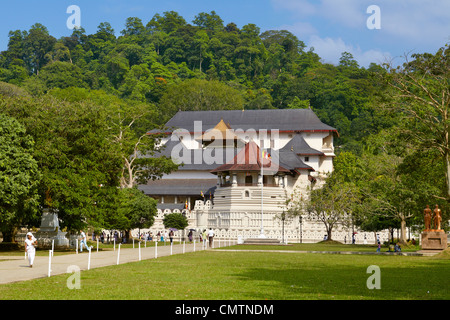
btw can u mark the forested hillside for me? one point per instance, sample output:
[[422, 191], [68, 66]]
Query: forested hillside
[[159, 61]]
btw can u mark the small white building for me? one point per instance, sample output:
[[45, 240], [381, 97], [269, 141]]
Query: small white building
[[225, 182]]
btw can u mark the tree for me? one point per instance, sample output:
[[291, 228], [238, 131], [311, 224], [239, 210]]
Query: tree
[[170, 22], [134, 210], [196, 95], [133, 27], [175, 220], [422, 91], [19, 177], [75, 154], [129, 124], [57, 75], [38, 43], [386, 200], [347, 60], [201, 41], [209, 21], [332, 204]]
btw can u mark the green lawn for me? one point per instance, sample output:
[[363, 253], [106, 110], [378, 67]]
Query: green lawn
[[322, 247], [221, 275]]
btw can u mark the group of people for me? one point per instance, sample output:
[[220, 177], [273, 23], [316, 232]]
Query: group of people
[[31, 245], [31, 242], [162, 236]]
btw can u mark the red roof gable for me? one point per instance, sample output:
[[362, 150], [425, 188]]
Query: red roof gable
[[249, 159]]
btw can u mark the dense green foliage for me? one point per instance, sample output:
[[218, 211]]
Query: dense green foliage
[[135, 210], [19, 176], [176, 65], [175, 220]]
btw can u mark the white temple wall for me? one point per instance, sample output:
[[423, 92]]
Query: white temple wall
[[231, 225]]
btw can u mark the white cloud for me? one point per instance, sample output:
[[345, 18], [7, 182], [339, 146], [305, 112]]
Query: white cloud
[[424, 21], [335, 26], [409, 21], [330, 50]]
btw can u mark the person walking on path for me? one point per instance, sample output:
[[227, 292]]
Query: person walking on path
[[171, 236], [204, 235], [83, 241], [30, 248], [210, 237]]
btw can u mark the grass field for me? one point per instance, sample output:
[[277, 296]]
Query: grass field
[[223, 275], [329, 247]]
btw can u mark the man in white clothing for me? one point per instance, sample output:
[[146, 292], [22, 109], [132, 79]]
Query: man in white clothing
[[210, 237]]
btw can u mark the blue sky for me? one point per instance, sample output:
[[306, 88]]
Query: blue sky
[[330, 26]]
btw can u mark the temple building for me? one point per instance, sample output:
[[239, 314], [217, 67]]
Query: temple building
[[238, 168]]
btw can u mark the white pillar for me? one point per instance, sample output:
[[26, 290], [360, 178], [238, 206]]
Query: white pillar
[[234, 180], [50, 253], [89, 260], [118, 254], [260, 180]]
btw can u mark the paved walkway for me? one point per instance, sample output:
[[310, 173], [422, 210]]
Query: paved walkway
[[16, 268]]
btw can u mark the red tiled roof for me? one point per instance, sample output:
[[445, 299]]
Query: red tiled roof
[[249, 159]]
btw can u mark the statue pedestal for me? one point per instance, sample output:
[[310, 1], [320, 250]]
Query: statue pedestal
[[434, 240], [49, 232]]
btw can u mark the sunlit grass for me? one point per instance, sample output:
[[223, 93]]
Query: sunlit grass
[[219, 275]]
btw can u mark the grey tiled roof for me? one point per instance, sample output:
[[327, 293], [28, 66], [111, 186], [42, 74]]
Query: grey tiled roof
[[289, 160], [182, 187], [299, 146], [199, 161], [282, 119]]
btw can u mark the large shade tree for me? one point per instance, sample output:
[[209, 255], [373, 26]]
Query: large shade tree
[[79, 162], [19, 177], [422, 91]]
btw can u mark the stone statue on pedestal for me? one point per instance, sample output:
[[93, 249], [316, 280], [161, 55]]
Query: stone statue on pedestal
[[436, 238], [437, 218], [427, 217]]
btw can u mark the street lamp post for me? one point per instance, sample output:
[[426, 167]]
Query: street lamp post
[[283, 217], [300, 220]]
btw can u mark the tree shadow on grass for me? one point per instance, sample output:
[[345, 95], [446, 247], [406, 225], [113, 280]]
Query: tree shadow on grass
[[348, 282]]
